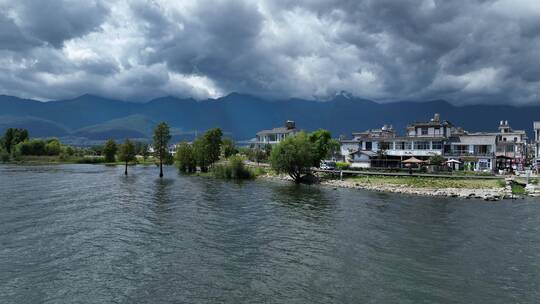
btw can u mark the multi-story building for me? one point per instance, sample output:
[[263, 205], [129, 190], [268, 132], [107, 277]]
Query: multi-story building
[[475, 151], [511, 147], [275, 135], [536, 127], [422, 140], [386, 148]]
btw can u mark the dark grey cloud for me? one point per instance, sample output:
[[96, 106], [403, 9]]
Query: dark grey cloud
[[54, 21], [466, 51]]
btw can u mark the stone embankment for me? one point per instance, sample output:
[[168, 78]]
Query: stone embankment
[[533, 190], [488, 194]]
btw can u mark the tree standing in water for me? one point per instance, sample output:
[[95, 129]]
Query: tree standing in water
[[110, 150], [161, 143], [127, 153]]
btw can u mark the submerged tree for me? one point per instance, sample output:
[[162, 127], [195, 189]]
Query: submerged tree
[[109, 151], [294, 156], [161, 143], [127, 153]]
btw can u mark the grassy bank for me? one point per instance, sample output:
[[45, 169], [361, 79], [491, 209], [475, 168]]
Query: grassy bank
[[426, 182]]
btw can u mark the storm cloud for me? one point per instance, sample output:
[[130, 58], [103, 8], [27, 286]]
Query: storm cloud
[[464, 51]]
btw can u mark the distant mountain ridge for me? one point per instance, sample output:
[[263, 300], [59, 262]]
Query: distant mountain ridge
[[241, 116]]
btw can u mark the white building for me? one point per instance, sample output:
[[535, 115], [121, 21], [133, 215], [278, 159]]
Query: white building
[[536, 127], [275, 135], [476, 151], [511, 147], [422, 140]]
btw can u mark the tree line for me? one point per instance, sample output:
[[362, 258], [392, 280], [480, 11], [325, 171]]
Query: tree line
[[296, 155]]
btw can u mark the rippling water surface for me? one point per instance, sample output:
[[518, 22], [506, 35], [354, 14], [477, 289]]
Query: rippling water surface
[[87, 234]]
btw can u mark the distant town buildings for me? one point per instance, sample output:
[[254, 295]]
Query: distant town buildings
[[504, 149], [536, 127], [482, 151]]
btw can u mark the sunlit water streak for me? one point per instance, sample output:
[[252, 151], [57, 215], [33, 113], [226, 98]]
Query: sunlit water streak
[[87, 234]]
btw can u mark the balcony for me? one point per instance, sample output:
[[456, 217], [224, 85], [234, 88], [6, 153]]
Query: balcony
[[467, 153], [413, 152]]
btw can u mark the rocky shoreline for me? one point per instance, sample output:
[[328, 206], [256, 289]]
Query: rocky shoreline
[[487, 194]]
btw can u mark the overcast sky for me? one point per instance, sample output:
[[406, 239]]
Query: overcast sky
[[465, 51]]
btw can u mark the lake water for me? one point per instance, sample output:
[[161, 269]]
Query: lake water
[[87, 234]]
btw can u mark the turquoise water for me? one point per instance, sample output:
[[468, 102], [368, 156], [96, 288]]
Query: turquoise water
[[87, 234]]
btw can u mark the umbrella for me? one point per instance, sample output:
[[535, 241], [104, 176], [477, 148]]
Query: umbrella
[[453, 161], [413, 160]]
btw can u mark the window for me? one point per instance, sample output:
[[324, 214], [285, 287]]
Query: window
[[437, 145], [384, 146], [400, 145], [408, 145], [461, 149], [437, 131], [424, 131], [481, 149], [368, 145], [421, 145]]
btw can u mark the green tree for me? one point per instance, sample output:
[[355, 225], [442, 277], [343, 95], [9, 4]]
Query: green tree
[[12, 137], [69, 150], [161, 144], [145, 151], [213, 142], [202, 159], [53, 147], [4, 155], [126, 153], [322, 141], [436, 160], [185, 158], [260, 155], [109, 151], [294, 156], [30, 147], [207, 148], [228, 148]]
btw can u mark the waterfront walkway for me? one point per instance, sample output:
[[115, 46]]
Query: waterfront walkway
[[378, 173], [372, 173]]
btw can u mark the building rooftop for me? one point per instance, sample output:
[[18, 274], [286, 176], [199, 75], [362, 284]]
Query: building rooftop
[[280, 130], [434, 122], [290, 127]]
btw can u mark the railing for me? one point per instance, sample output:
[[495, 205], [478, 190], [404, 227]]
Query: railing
[[458, 153]]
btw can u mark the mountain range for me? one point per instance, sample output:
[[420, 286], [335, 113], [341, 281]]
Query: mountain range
[[90, 118]]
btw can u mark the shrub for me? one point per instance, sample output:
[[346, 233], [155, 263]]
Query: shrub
[[518, 189], [4, 156], [342, 165], [233, 169], [31, 147], [91, 160], [53, 147]]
